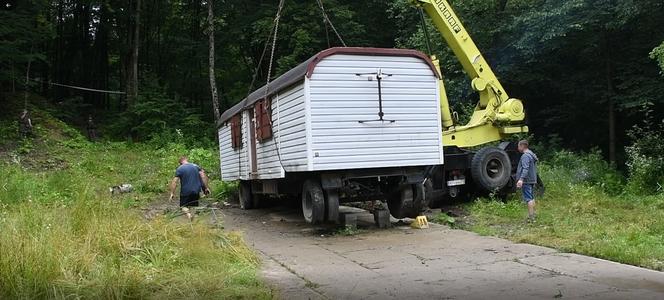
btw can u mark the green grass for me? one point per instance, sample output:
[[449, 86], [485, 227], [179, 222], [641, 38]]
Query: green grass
[[579, 218], [62, 235], [347, 231]]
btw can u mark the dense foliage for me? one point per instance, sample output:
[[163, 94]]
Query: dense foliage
[[587, 69]]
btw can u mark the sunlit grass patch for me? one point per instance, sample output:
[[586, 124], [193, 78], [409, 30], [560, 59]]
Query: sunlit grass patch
[[99, 249], [64, 236], [579, 218]]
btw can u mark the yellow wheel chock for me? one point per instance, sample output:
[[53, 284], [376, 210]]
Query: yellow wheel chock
[[420, 222]]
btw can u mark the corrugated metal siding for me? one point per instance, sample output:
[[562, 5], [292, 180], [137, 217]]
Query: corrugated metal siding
[[338, 99], [234, 162], [291, 128], [289, 132]]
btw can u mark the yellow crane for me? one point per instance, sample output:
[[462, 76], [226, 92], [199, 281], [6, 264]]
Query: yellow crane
[[496, 116]]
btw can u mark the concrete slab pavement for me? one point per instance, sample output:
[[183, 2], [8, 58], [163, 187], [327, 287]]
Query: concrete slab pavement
[[303, 262]]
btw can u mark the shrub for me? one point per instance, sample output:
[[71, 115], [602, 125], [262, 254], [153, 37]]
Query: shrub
[[206, 159], [589, 168], [645, 158], [162, 119], [8, 130], [658, 55], [223, 190]]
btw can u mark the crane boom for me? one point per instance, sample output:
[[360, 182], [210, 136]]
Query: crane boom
[[496, 115]]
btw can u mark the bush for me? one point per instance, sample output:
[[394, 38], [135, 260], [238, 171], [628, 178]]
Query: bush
[[223, 190], [8, 130], [658, 55], [645, 158], [161, 119], [590, 168]]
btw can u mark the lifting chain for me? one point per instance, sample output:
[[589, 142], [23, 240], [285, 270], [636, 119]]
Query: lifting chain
[[328, 21], [274, 46]]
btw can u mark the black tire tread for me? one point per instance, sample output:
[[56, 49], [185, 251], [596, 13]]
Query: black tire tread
[[313, 188], [477, 169], [407, 208], [332, 206], [246, 198]]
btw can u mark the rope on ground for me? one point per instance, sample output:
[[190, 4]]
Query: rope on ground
[[327, 18]]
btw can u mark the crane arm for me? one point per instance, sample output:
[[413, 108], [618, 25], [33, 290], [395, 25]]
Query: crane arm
[[496, 114]]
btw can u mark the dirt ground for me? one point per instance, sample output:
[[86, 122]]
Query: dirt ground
[[305, 262]]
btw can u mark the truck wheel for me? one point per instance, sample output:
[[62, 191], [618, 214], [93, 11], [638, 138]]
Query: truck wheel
[[408, 202], [332, 206], [491, 169], [313, 202], [246, 198], [258, 200]]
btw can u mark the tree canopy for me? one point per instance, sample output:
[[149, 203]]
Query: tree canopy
[[588, 70]]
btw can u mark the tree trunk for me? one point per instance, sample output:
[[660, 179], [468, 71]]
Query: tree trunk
[[502, 4], [611, 104], [100, 50], [27, 81], [612, 130], [13, 80], [213, 82], [137, 41], [132, 69], [59, 56]]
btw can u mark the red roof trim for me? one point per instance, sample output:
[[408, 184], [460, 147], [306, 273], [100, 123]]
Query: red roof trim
[[368, 51]]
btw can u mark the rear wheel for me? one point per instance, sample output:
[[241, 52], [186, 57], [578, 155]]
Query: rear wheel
[[408, 202], [313, 202], [491, 169], [246, 198], [332, 206]]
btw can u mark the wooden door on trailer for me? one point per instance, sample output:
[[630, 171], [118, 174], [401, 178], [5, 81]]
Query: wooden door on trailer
[[253, 162]]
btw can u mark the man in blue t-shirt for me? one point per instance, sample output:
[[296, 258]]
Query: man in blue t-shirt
[[192, 180]]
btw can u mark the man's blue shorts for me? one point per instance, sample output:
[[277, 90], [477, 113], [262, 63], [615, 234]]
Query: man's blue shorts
[[527, 191]]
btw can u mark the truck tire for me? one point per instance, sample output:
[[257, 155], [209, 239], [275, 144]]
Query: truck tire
[[313, 202], [491, 168], [408, 202], [332, 206], [246, 198]]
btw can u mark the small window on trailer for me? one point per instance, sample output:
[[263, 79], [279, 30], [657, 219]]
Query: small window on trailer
[[236, 131], [263, 113]]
